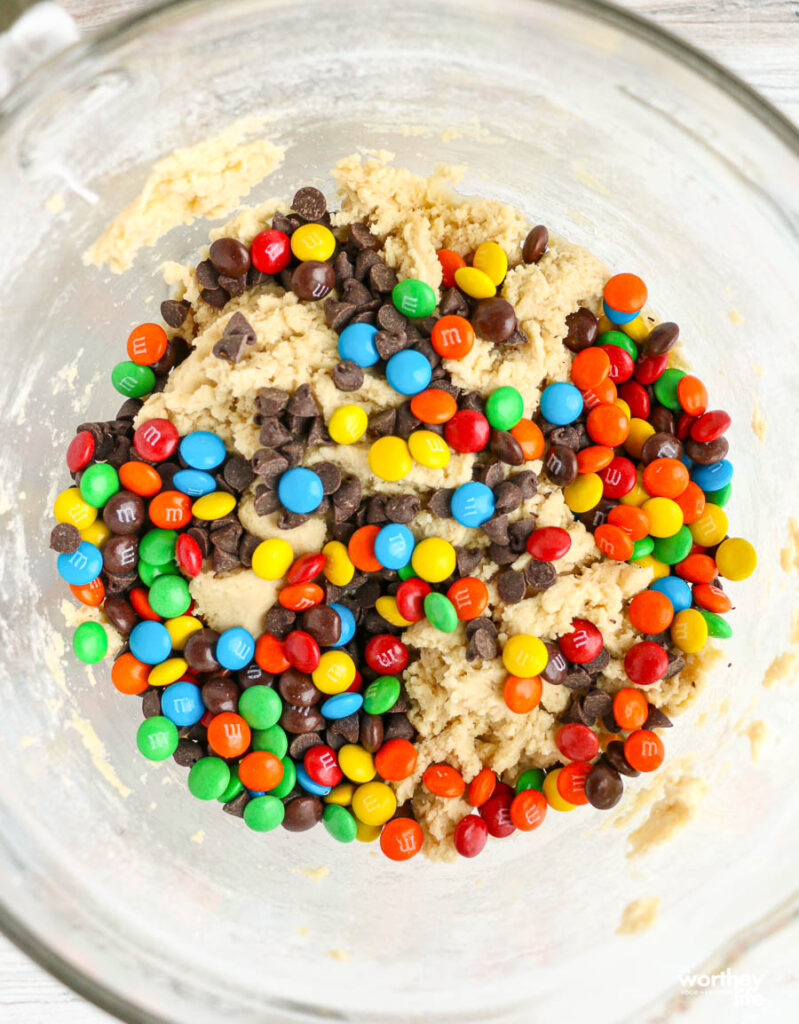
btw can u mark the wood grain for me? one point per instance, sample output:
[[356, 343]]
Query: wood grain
[[759, 41]]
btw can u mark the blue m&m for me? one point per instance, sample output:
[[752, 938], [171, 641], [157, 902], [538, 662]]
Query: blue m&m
[[308, 784], [408, 372], [712, 477], [300, 490], [676, 590], [82, 566], [347, 624], [194, 482], [472, 504], [202, 450], [342, 705], [561, 403], [150, 642], [357, 343], [182, 704], [235, 648], [394, 546]]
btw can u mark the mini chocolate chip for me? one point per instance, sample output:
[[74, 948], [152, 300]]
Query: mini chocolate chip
[[376, 510], [483, 622], [271, 401], [439, 502], [467, 559], [234, 286], [347, 498], [496, 529], [663, 338], [365, 316], [187, 753], [511, 586], [615, 757], [303, 743], [560, 464], [502, 554], [273, 434], [224, 561], [309, 203], [577, 679], [535, 245], [507, 497], [280, 222], [266, 500], [364, 261], [247, 545], [390, 319], [174, 312], [472, 400], [302, 402], [406, 422], [453, 303], [235, 807], [207, 274], [596, 703], [151, 703], [398, 727], [199, 651], [347, 376], [361, 237], [402, 508], [367, 594], [312, 280], [255, 278], [216, 297], [603, 786], [348, 727], [598, 664], [342, 265], [506, 448], [291, 520], [676, 664], [227, 539], [65, 538], [382, 278], [582, 330], [237, 473], [269, 464], [355, 293], [655, 719], [491, 474], [338, 314]]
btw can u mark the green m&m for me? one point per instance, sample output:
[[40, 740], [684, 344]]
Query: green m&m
[[149, 573], [90, 642], [132, 380], [157, 738], [272, 739], [674, 549], [440, 612], [666, 388], [264, 813], [533, 778], [209, 777], [260, 707], [289, 780], [158, 546], [381, 695], [504, 408], [642, 548], [340, 823], [169, 596], [413, 298], [98, 483], [622, 340]]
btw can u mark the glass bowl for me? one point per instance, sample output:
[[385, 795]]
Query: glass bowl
[[615, 136]]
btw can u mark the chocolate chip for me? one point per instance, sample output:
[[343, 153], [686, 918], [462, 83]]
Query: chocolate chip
[[367, 594], [216, 297], [347, 376], [390, 319], [124, 512], [511, 586], [174, 312], [224, 561], [220, 693], [361, 237], [227, 538], [365, 316], [255, 278], [491, 474], [129, 409], [596, 703], [556, 668], [347, 498], [121, 553], [453, 303], [661, 446], [342, 265], [603, 786], [120, 614], [151, 703], [467, 559], [676, 664], [376, 510], [237, 335], [577, 679], [535, 245], [247, 545], [382, 278], [473, 401], [302, 813], [303, 403], [271, 401], [64, 538], [230, 257], [199, 651], [354, 293], [237, 473], [348, 727], [312, 280], [266, 500], [496, 529], [398, 727], [582, 330], [598, 664], [309, 203], [576, 712], [120, 583], [388, 343], [663, 338], [560, 464], [482, 645], [301, 719], [273, 434], [480, 623], [507, 497], [235, 807], [207, 274], [371, 733], [234, 286], [439, 502], [291, 520], [655, 719], [338, 314], [303, 743], [269, 464], [614, 755], [502, 554], [406, 422], [364, 261], [506, 448], [324, 625], [187, 753], [566, 436], [403, 508], [280, 222]]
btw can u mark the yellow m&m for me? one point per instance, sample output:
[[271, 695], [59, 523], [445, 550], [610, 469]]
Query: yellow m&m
[[386, 607], [339, 569], [167, 672], [374, 803], [181, 628], [736, 559], [524, 655], [475, 282], [335, 672], [69, 507], [213, 506], [711, 527], [551, 792], [429, 449], [348, 424], [584, 493], [390, 459], [272, 558], [689, 630], [313, 242], [357, 764], [434, 559], [490, 257], [97, 534], [664, 515]]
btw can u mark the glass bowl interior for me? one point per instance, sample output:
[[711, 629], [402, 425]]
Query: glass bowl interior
[[613, 138]]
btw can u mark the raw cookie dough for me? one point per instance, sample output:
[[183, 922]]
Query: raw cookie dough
[[456, 705]]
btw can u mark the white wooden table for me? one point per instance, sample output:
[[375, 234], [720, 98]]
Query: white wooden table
[[759, 40]]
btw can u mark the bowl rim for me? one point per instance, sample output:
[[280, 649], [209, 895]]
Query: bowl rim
[[42, 78]]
